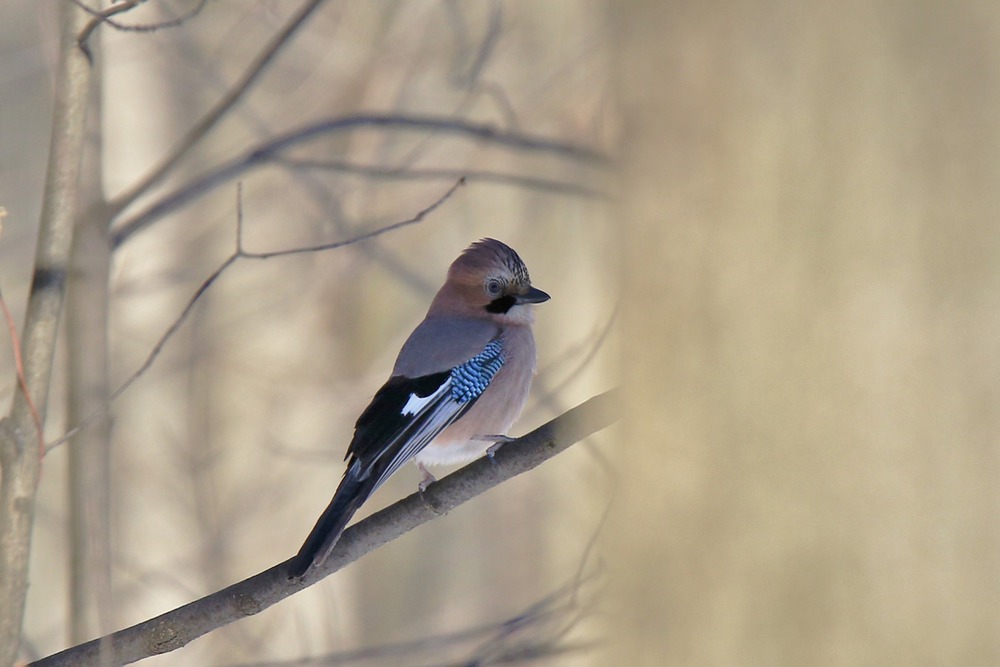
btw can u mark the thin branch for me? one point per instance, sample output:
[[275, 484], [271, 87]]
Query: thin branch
[[363, 237], [240, 253], [272, 149], [537, 632], [234, 95], [432, 173], [582, 353], [473, 79], [103, 17], [495, 638], [483, 51], [99, 17], [22, 383], [488, 44], [178, 627]]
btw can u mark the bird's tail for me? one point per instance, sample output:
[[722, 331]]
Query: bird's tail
[[351, 493]]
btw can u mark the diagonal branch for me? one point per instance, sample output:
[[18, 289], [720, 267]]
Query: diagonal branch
[[180, 626], [274, 148], [211, 119]]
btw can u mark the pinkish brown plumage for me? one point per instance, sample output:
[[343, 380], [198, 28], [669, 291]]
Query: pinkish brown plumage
[[459, 383]]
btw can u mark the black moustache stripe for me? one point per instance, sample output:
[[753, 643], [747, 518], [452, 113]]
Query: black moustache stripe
[[501, 304]]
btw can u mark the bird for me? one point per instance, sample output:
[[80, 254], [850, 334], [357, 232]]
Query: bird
[[459, 383]]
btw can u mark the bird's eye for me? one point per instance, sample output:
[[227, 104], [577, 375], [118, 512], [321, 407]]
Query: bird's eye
[[494, 287]]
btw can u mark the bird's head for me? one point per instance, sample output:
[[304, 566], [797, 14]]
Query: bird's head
[[489, 279]]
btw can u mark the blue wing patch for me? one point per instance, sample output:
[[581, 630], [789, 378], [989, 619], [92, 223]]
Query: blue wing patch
[[470, 379]]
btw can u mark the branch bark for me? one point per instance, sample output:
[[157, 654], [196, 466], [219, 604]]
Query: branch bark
[[20, 456], [180, 626]]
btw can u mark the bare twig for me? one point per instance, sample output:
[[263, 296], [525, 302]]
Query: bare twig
[[99, 17], [538, 631], [241, 253], [470, 76], [274, 147], [488, 44], [180, 626], [435, 173], [15, 345], [494, 640], [363, 237], [234, 95], [582, 353], [470, 57], [103, 17]]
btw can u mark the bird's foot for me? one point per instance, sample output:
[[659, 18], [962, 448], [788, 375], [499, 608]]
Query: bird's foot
[[498, 442], [427, 480]]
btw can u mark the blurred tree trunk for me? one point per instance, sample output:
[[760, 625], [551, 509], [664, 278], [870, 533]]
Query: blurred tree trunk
[[814, 274], [89, 499]]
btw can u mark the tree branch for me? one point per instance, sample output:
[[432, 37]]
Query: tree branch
[[180, 626], [19, 458], [273, 148], [238, 254], [539, 630], [232, 96], [403, 173], [103, 17]]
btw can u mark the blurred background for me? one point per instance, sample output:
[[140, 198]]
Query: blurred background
[[811, 191], [803, 236]]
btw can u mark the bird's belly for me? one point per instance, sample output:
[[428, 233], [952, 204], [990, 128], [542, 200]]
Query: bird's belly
[[452, 453]]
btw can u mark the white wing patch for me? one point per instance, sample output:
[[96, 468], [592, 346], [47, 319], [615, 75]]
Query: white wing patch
[[415, 404]]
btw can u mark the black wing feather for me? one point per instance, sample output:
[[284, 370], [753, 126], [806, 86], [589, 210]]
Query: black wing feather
[[383, 419], [384, 439]]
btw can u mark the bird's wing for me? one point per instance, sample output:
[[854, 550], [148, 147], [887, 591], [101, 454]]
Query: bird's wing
[[442, 343], [408, 412]]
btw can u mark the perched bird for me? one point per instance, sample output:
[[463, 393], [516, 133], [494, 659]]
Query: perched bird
[[459, 383]]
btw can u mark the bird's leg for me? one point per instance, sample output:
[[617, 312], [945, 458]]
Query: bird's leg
[[498, 442], [427, 481], [428, 477]]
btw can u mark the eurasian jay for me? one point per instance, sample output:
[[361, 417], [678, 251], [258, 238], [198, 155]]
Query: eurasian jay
[[459, 384]]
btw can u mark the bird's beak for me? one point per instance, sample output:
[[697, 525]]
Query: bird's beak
[[533, 295]]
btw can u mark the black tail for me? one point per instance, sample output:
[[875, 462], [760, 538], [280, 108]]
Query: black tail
[[349, 496]]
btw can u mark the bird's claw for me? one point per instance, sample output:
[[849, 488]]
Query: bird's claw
[[498, 442], [427, 480]]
